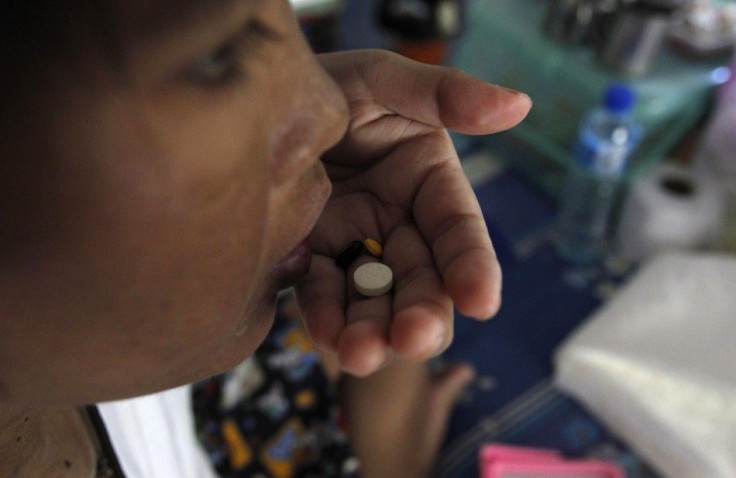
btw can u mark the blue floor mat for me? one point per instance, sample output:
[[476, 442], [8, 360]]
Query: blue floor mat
[[544, 299]]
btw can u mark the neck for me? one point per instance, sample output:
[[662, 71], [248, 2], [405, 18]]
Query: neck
[[18, 437], [14, 426], [44, 441]]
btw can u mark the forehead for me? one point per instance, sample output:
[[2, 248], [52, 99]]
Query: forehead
[[156, 16]]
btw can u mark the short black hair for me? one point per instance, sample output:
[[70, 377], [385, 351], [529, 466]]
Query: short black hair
[[41, 34]]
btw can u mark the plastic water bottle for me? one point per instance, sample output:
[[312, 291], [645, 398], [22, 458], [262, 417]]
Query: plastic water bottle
[[606, 139]]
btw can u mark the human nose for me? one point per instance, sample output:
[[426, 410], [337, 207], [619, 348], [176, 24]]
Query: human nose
[[317, 120]]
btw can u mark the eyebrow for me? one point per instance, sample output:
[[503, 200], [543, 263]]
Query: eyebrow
[[163, 15]]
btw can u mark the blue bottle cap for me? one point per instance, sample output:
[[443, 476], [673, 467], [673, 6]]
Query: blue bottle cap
[[619, 98]]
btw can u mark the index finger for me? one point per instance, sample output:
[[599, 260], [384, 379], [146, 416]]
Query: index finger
[[433, 95]]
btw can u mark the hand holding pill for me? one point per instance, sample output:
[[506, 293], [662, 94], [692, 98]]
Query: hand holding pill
[[397, 179]]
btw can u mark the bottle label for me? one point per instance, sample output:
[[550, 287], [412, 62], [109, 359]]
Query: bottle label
[[602, 158]]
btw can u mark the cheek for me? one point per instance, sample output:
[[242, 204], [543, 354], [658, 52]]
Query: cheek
[[198, 221], [128, 262], [159, 239]]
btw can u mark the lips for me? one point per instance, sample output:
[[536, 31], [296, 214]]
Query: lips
[[293, 267]]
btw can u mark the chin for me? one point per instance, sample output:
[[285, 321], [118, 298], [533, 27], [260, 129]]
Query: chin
[[243, 343], [253, 326], [258, 320]]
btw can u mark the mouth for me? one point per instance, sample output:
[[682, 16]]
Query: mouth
[[293, 267]]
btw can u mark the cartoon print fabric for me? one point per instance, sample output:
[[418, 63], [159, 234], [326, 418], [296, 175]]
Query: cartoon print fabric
[[275, 415]]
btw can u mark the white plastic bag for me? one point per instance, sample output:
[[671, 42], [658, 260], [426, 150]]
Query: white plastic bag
[[657, 364]]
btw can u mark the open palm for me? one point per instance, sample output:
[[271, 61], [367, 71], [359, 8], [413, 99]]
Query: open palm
[[397, 178]]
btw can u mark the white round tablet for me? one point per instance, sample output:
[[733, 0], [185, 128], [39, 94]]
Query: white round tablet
[[373, 279]]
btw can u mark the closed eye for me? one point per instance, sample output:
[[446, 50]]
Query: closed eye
[[228, 62]]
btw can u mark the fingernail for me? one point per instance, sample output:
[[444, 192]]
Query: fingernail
[[439, 346], [516, 92], [510, 90], [529, 99]]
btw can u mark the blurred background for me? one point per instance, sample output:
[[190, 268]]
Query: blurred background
[[613, 211]]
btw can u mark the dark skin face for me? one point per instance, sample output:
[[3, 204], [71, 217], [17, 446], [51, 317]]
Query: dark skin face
[[173, 187], [159, 186]]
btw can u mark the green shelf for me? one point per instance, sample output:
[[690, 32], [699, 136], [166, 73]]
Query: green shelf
[[505, 44]]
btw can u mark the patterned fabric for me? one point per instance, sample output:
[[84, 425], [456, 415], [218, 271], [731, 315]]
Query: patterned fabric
[[275, 415]]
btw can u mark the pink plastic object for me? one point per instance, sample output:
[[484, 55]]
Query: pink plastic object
[[502, 461], [551, 469], [495, 452]]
